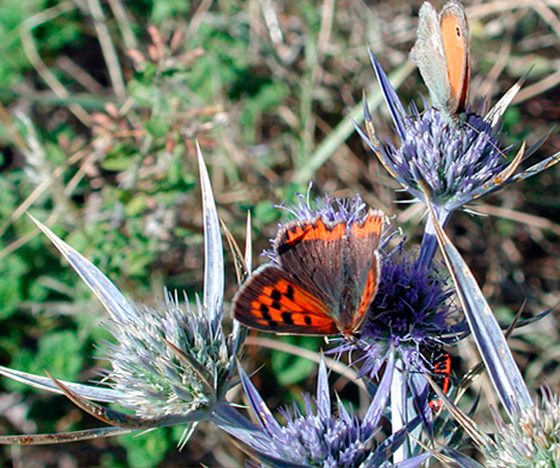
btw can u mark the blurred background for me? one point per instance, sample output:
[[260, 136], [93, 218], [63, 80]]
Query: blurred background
[[100, 105]]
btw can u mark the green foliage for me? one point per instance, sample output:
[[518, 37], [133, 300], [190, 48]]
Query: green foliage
[[59, 352], [12, 270], [148, 449], [131, 204], [290, 369], [51, 37]]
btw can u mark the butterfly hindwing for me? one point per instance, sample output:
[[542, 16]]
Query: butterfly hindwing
[[272, 302]]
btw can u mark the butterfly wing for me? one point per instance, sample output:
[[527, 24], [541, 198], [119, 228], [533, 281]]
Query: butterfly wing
[[428, 54], [270, 301], [311, 253], [363, 267], [337, 263], [456, 43]]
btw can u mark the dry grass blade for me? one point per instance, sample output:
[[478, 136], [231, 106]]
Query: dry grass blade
[[239, 262], [470, 426], [31, 51], [528, 219], [65, 437], [108, 48]]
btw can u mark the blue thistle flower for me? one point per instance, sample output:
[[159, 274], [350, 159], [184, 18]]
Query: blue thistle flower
[[169, 366], [413, 311], [453, 162], [531, 439], [413, 303], [413, 308], [319, 436]]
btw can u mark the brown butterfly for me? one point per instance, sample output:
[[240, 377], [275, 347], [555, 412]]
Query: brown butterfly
[[442, 54]]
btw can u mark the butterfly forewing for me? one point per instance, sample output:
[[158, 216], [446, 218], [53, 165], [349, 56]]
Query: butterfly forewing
[[455, 38], [312, 254], [271, 301]]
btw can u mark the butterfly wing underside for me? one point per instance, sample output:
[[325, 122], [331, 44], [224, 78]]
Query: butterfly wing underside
[[428, 54], [455, 39]]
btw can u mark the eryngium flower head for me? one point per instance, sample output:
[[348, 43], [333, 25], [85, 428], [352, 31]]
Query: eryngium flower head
[[174, 360], [413, 303], [169, 366], [532, 439], [413, 314], [454, 162], [317, 436], [168, 361]]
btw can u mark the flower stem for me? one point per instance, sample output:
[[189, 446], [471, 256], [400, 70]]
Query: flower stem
[[398, 407], [429, 244]]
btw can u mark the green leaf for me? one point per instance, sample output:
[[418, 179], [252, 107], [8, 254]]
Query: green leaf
[[119, 158], [12, 269], [136, 205], [148, 449], [265, 212], [61, 354], [290, 369], [157, 126]]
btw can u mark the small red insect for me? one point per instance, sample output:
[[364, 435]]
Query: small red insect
[[440, 362], [323, 280]]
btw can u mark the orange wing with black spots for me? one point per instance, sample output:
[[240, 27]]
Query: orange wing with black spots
[[272, 302]]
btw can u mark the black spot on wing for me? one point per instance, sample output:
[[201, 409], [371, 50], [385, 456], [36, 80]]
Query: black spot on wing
[[287, 318], [290, 292]]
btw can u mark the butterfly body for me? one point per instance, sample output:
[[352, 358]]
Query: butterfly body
[[442, 54], [322, 282]]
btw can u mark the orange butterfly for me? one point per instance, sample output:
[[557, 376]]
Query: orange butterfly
[[322, 281]]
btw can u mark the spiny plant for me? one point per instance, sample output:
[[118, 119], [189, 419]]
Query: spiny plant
[[336, 268]]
